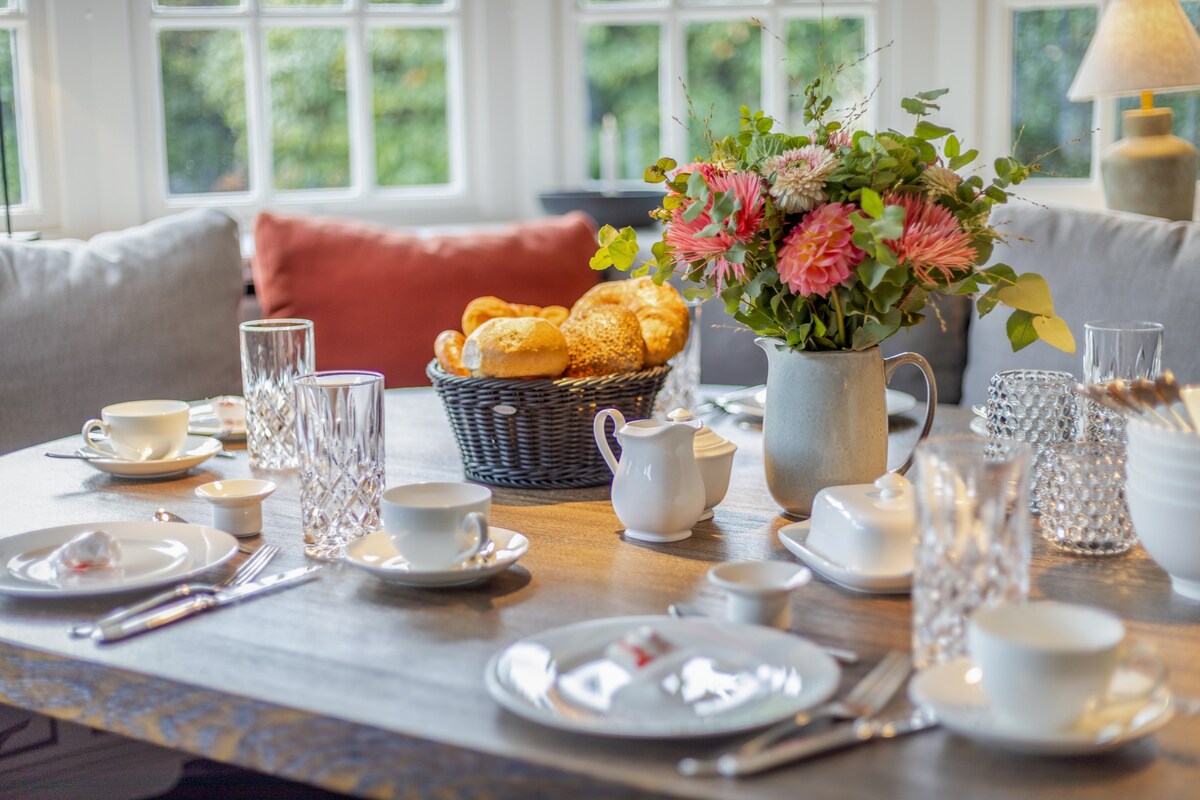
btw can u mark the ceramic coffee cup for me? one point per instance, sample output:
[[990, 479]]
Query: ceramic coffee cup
[[436, 525], [140, 430], [1046, 665]]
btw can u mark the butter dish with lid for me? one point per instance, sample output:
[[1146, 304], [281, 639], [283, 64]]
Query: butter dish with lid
[[861, 537]]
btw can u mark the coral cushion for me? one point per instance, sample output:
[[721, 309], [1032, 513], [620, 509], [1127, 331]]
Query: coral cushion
[[378, 297]]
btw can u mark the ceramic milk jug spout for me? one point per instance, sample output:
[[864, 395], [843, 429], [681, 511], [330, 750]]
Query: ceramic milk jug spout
[[657, 491]]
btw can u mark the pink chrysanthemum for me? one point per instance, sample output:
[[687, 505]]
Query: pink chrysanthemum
[[932, 240], [819, 253], [688, 249], [798, 177]]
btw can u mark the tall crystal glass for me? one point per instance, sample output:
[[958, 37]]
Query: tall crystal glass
[[679, 389], [1117, 348], [274, 352], [339, 429], [974, 537]]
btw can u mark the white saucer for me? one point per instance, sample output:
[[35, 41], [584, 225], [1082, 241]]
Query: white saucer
[[376, 554], [979, 426], [196, 450], [718, 678], [961, 706], [795, 538], [979, 410], [152, 554], [752, 402]]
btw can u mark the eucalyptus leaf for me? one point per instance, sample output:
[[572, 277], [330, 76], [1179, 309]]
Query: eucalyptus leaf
[[1055, 332], [1030, 293], [927, 130]]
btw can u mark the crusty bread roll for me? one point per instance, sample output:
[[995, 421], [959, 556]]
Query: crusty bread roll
[[515, 347], [448, 349], [660, 310], [555, 315], [602, 341]]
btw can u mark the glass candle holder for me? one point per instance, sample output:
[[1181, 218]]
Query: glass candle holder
[[1083, 505], [274, 352]]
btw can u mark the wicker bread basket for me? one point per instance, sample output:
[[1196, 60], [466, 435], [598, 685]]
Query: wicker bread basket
[[537, 434]]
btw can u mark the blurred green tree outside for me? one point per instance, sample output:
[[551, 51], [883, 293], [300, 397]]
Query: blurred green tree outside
[[8, 96]]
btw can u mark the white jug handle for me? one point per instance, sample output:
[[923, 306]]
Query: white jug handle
[[479, 522], [889, 366], [91, 425], [602, 437]]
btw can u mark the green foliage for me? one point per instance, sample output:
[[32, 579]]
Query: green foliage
[[408, 67], [888, 287], [12, 143]]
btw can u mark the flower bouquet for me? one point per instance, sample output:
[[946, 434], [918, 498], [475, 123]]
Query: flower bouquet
[[835, 240]]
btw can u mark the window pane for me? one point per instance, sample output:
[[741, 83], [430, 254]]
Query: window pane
[[408, 2], [204, 110], [724, 72], [197, 3], [12, 142], [412, 133], [1048, 45], [831, 49], [621, 65], [1186, 105], [295, 3], [309, 130]]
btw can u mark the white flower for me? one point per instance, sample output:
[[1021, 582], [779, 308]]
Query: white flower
[[798, 177], [939, 180]]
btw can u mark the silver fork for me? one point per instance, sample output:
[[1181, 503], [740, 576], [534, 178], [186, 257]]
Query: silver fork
[[248, 571], [866, 699]]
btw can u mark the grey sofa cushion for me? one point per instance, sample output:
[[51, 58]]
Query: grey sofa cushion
[[147, 312], [1100, 265]]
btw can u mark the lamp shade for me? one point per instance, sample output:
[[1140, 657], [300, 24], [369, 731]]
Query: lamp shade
[[1140, 45]]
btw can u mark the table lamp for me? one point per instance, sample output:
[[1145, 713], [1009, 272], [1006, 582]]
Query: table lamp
[[1141, 47]]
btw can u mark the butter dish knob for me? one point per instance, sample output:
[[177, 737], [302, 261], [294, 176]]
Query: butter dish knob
[[891, 485]]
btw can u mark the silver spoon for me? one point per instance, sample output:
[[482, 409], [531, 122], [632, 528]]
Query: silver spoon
[[79, 456], [162, 515], [681, 610], [1168, 392]]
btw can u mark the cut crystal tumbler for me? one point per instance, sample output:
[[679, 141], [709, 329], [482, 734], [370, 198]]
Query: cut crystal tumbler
[[1127, 349], [274, 352]]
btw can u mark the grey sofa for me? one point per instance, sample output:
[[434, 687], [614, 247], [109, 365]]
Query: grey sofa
[[148, 312], [1100, 265]]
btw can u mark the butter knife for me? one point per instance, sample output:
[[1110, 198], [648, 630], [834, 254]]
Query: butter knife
[[182, 609], [846, 734]]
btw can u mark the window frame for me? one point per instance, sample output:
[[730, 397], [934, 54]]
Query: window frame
[[37, 209], [363, 197], [672, 16]]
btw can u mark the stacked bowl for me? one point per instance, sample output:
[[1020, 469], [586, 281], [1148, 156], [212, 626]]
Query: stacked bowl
[[1162, 487]]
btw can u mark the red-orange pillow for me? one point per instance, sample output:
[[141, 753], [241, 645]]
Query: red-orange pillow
[[378, 297]]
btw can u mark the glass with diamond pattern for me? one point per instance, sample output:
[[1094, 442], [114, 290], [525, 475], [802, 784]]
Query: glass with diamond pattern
[[1036, 406], [973, 529], [1117, 348], [1083, 505], [274, 352], [339, 432]]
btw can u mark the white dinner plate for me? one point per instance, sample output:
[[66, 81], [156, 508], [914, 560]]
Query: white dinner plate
[[718, 678], [196, 450], [752, 402], [795, 538], [152, 554], [953, 692], [203, 422], [376, 554]]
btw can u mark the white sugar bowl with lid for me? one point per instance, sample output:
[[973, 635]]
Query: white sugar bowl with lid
[[714, 456]]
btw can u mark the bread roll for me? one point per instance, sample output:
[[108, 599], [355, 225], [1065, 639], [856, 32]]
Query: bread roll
[[660, 310], [555, 315], [448, 349], [602, 341], [516, 347]]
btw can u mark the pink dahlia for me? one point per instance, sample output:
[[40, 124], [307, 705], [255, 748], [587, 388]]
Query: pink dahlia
[[798, 177], [932, 240], [688, 249], [819, 253], [842, 137]]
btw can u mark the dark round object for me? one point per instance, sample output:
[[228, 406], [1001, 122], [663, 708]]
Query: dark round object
[[623, 209]]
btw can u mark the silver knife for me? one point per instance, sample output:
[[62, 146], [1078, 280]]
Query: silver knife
[[182, 609], [846, 734]]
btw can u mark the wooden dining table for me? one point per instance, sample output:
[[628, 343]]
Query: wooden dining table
[[376, 690]]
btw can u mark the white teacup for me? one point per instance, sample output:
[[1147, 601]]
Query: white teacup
[[1046, 665], [140, 430], [437, 525]]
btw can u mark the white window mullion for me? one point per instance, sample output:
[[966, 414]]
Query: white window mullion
[[258, 120], [359, 108]]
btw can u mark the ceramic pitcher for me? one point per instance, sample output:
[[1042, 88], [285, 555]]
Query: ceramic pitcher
[[826, 419], [657, 490]]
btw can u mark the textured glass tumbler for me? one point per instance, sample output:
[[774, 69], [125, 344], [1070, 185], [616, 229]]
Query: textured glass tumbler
[[339, 430], [679, 389], [274, 352], [1128, 349], [1035, 406], [1083, 506], [973, 545]]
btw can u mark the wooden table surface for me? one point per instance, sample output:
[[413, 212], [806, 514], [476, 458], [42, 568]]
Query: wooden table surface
[[377, 691]]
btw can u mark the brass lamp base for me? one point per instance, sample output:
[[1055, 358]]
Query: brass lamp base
[[1150, 171]]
